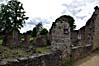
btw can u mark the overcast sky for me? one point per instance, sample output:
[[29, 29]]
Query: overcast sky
[[46, 11]]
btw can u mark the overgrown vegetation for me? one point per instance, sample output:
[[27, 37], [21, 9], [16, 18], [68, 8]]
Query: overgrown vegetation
[[97, 49], [39, 30], [1, 41], [8, 52], [24, 51], [43, 50], [67, 62]]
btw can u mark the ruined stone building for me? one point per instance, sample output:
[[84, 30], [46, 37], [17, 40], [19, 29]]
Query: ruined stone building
[[95, 17], [60, 34], [74, 37], [11, 38], [86, 36]]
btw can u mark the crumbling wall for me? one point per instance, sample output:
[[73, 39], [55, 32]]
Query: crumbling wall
[[51, 59]]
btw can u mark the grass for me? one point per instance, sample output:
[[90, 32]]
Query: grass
[[16, 52], [7, 52], [43, 50], [30, 39], [1, 41], [22, 39]]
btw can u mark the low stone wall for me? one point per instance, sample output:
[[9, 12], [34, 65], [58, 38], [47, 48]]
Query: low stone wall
[[80, 51], [38, 60], [51, 59]]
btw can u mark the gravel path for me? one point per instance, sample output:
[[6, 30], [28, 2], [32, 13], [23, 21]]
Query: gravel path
[[92, 60]]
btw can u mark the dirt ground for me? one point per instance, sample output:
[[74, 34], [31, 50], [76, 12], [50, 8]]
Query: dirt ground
[[91, 60]]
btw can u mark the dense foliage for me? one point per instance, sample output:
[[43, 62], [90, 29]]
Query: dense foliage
[[39, 30], [44, 31], [12, 15], [12, 18]]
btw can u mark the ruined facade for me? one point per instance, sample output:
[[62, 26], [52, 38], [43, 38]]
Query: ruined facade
[[60, 34], [88, 34], [74, 37], [12, 38], [96, 27]]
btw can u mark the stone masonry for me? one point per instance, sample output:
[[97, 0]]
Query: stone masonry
[[88, 35], [87, 40], [60, 34]]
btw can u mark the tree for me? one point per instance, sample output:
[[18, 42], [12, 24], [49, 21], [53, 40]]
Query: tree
[[34, 32], [37, 29], [12, 16], [29, 32], [44, 31]]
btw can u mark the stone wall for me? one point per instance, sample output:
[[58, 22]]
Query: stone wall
[[74, 37], [60, 34], [89, 34], [88, 40], [78, 52], [51, 59], [12, 38], [27, 39], [96, 34]]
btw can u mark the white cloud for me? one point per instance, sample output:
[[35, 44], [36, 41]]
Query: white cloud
[[47, 11], [81, 10]]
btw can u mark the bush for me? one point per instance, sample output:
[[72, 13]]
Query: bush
[[97, 49]]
